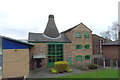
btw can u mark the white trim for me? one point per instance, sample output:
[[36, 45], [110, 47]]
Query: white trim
[[50, 37], [35, 56]]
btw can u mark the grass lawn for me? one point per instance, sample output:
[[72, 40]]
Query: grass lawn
[[106, 73]]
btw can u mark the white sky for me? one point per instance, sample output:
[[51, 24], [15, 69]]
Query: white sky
[[18, 17]]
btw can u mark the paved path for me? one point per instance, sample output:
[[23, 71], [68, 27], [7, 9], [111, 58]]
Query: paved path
[[45, 73]]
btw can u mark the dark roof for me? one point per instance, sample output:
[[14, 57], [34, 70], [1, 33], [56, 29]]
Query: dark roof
[[75, 27], [40, 37], [51, 29], [17, 40], [114, 43]]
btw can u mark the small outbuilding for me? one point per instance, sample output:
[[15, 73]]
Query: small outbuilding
[[111, 53], [14, 58]]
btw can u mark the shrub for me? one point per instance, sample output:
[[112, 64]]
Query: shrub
[[92, 66], [54, 71], [83, 68], [61, 66], [69, 70]]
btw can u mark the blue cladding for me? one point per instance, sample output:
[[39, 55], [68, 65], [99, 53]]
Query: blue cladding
[[11, 44]]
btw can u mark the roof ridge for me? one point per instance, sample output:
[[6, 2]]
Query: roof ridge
[[75, 27], [16, 40]]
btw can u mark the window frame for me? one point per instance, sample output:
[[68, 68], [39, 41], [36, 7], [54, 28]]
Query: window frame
[[86, 35], [58, 50], [78, 46], [87, 57], [79, 58], [78, 35], [87, 45]]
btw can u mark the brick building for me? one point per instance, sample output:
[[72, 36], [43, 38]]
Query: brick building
[[73, 45], [111, 53], [76, 45], [14, 58], [79, 51], [97, 48]]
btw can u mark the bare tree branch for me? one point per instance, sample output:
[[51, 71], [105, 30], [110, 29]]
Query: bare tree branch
[[112, 32]]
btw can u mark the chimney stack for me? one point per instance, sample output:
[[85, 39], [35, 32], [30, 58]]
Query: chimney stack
[[51, 29], [51, 16]]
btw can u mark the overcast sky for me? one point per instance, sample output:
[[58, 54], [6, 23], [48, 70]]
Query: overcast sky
[[18, 17]]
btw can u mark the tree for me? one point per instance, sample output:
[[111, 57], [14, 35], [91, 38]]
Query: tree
[[106, 35], [112, 32]]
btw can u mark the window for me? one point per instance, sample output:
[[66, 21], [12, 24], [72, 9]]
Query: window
[[55, 53], [87, 46], [78, 58], [79, 46], [78, 35], [101, 41], [86, 35], [87, 57]]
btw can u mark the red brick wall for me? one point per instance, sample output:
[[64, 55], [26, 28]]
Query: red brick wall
[[70, 48], [111, 51], [37, 49], [96, 43]]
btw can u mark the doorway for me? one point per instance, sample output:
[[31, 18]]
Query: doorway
[[70, 60], [107, 62], [38, 63]]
